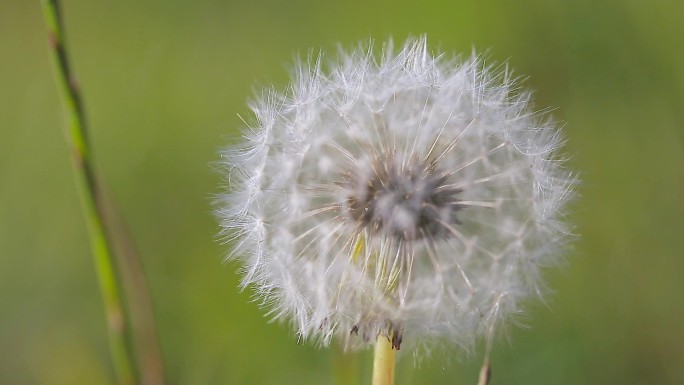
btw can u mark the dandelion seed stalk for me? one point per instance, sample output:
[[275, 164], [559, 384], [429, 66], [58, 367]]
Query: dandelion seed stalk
[[384, 360], [91, 195]]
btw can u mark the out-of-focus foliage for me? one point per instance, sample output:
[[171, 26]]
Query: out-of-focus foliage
[[164, 82]]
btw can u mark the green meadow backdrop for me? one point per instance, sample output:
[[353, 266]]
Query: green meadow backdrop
[[164, 82]]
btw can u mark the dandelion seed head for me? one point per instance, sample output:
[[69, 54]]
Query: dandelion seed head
[[407, 195], [393, 198]]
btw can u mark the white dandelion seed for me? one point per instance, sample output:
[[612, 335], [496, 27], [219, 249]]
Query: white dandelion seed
[[410, 196]]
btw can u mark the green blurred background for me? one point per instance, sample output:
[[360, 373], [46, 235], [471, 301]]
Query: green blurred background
[[164, 82]]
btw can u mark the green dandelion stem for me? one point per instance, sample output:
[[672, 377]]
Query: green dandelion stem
[[384, 360], [384, 357]]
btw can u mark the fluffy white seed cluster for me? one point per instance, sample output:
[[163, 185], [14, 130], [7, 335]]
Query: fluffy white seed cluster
[[401, 194]]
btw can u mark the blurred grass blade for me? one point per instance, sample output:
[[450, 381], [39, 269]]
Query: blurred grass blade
[[97, 209], [143, 326]]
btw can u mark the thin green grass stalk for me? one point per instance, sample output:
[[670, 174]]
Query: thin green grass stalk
[[92, 200], [485, 372], [486, 369]]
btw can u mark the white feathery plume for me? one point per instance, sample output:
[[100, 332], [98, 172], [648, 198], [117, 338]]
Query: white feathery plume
[[408, 195]]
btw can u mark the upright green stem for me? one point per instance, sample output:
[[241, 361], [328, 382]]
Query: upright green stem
[[383, 362], [91, 195]]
